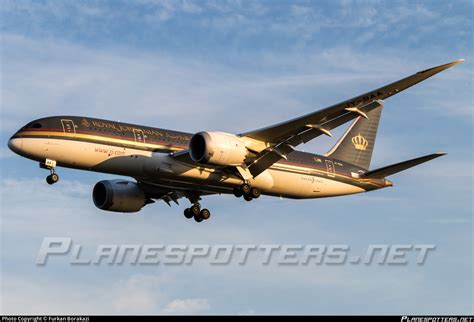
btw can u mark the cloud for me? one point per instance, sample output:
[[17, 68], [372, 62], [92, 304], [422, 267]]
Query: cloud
[[448, 221], [6, 153], [138, 294], [206, 24], [59, 78], [77, 80], [247, 312], [187, 306]]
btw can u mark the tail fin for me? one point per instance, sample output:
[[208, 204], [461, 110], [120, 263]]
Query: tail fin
[[398, 167], [356, 145]]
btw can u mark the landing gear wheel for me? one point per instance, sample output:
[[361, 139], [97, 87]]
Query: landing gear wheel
[[248, 197], [198, 218], [245, 189], [205, 214], [195, 210], [187, 213], [255, 193], [238, 192], [52, 178]]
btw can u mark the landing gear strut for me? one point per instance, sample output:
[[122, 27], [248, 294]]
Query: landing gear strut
[[248, 192], [51, 166]]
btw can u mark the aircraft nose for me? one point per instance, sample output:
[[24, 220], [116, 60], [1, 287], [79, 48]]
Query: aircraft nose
[[15, 144]]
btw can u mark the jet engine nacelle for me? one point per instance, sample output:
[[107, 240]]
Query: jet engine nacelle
[[217, 148], [119, 196]]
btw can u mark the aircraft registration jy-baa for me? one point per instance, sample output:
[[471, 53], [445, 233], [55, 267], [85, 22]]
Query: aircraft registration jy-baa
[[169, 165]]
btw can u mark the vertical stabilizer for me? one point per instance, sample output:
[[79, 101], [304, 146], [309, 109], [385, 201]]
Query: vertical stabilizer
[[357, 144]]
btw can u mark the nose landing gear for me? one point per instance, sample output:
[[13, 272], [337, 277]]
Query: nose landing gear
[[51, 166]]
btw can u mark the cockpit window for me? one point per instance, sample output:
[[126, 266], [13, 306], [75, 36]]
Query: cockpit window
[[33, 125]]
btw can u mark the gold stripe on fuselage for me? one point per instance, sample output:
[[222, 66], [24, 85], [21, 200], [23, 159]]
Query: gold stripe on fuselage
[[101, 138]]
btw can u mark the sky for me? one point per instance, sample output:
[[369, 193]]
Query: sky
[[235, 66]]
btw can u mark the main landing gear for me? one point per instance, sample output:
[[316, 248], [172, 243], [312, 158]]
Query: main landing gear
[[247, 192], [51, 166], [196, 212]]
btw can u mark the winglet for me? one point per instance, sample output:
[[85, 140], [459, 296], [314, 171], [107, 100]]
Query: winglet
[[440, 68]]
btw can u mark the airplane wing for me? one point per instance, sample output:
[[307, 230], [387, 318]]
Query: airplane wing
[[278, 140], [275, 134]]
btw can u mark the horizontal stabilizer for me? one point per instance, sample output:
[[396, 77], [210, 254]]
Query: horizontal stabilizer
[[398, 167]]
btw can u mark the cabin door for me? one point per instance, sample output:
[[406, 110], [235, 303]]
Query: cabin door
[[139, 135], [330, 169], [68, 126]]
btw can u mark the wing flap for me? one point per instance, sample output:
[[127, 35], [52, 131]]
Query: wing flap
[[268, 157]]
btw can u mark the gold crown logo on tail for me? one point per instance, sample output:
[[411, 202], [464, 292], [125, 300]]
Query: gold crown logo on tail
[[360, 143]]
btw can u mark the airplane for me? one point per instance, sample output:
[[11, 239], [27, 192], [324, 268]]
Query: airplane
[[169, 165]]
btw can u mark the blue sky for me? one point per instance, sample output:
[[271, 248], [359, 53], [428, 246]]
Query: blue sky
[[235, 66]]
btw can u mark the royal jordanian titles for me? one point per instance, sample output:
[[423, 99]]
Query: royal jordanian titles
[[170, 165]]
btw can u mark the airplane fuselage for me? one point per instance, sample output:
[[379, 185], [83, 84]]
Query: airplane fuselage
[[145, 153], [169, 165]]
